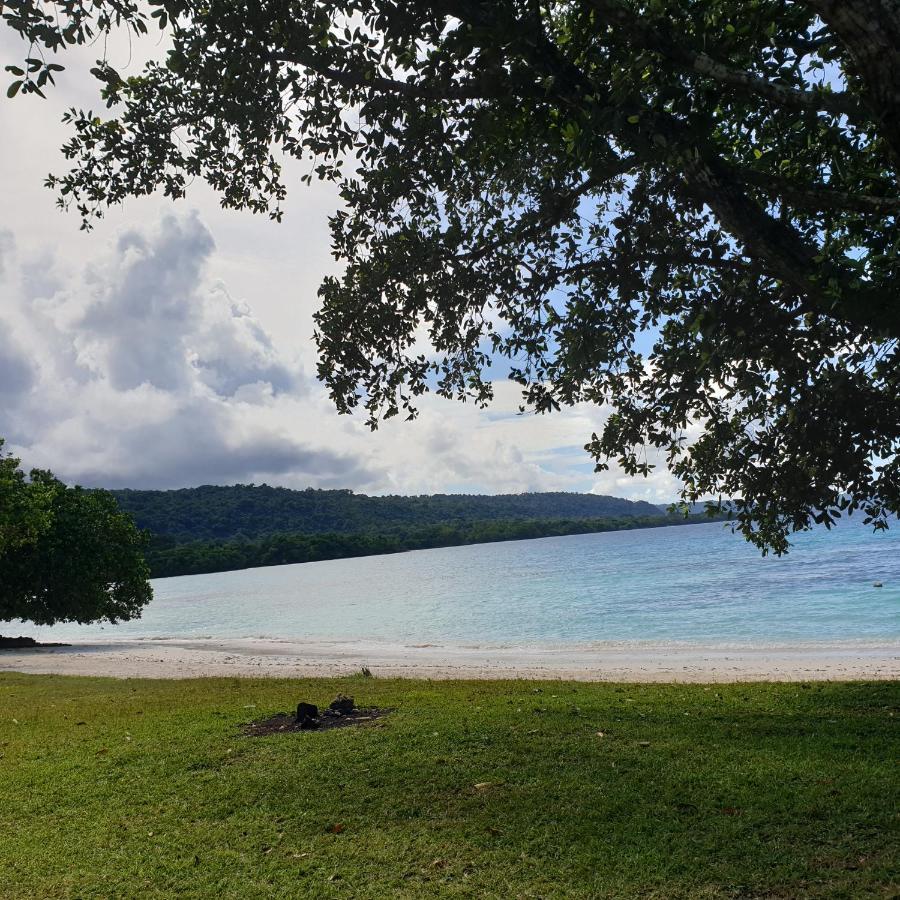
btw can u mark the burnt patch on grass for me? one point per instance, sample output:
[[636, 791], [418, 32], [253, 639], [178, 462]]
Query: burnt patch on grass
[[342, 713]]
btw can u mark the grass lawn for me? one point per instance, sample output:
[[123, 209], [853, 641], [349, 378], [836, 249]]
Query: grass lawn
[[468, 789]]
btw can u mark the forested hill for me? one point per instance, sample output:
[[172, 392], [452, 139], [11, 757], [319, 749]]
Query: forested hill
[[249, 511]]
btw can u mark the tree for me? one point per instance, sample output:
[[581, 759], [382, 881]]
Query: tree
[[561, 184], [66, 554], [24, 508]]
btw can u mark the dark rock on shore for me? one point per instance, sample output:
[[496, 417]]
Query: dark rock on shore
[[24, 643]]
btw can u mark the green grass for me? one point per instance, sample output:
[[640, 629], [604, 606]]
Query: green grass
[[147, 789]]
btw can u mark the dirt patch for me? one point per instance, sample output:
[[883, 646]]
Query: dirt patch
[[285, 722]]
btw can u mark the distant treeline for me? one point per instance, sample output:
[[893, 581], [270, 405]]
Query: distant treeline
[[168, 557], [251, 512], [221, 528]]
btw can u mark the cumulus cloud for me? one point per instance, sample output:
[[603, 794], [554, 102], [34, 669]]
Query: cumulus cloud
[[17, 373], [143, 373], [140, 369], [153, 319], [6, 248], [144, 312]]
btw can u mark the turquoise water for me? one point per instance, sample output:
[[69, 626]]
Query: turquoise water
[[696, 583]]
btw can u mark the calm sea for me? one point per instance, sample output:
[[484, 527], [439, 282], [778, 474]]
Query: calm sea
[[695, 583]]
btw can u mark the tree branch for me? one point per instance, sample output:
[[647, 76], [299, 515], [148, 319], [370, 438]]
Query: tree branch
[[830, 288], [348, 78], [563, 204], [837, 103], [870, 30], [654, 39], [818, 197], [684, 260]]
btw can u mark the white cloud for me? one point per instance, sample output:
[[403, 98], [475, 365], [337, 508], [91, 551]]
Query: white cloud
[[17, 374], [143, 372], [7, 244], [154, 320]]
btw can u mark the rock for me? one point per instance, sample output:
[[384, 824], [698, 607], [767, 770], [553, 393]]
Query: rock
[[307, 715], [342, 705], [15, 643], [25, 643]]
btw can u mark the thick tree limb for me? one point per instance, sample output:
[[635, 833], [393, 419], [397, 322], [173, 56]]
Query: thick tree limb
[[354, 79], [655, 39], [820, 197], [870, 29], [832, 290], [835, 102]]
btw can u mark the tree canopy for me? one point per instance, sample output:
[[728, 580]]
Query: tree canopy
[[685, 211], [66, 554]]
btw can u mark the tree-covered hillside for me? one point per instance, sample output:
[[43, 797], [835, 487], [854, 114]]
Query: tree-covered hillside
[[251, 511]]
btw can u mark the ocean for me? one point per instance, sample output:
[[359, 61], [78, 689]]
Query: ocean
[[693, 584]]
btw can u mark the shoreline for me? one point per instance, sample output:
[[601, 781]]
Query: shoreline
[[637, 662]]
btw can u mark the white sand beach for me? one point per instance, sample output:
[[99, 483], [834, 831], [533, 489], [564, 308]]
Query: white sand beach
[[172, 658]]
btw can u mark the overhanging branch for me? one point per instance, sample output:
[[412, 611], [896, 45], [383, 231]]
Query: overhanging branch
[[656, 40], [356, 79], [819, 196], [542, 220]]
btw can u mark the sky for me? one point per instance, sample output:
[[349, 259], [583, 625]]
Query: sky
[[172, 346]]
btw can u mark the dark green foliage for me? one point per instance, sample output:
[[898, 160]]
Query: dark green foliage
[[214, 529], [168, 558], [24, 506], [561, 184], [70, 555], [214, 512]]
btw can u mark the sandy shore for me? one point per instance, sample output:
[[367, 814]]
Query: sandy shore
[[602, 662]]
